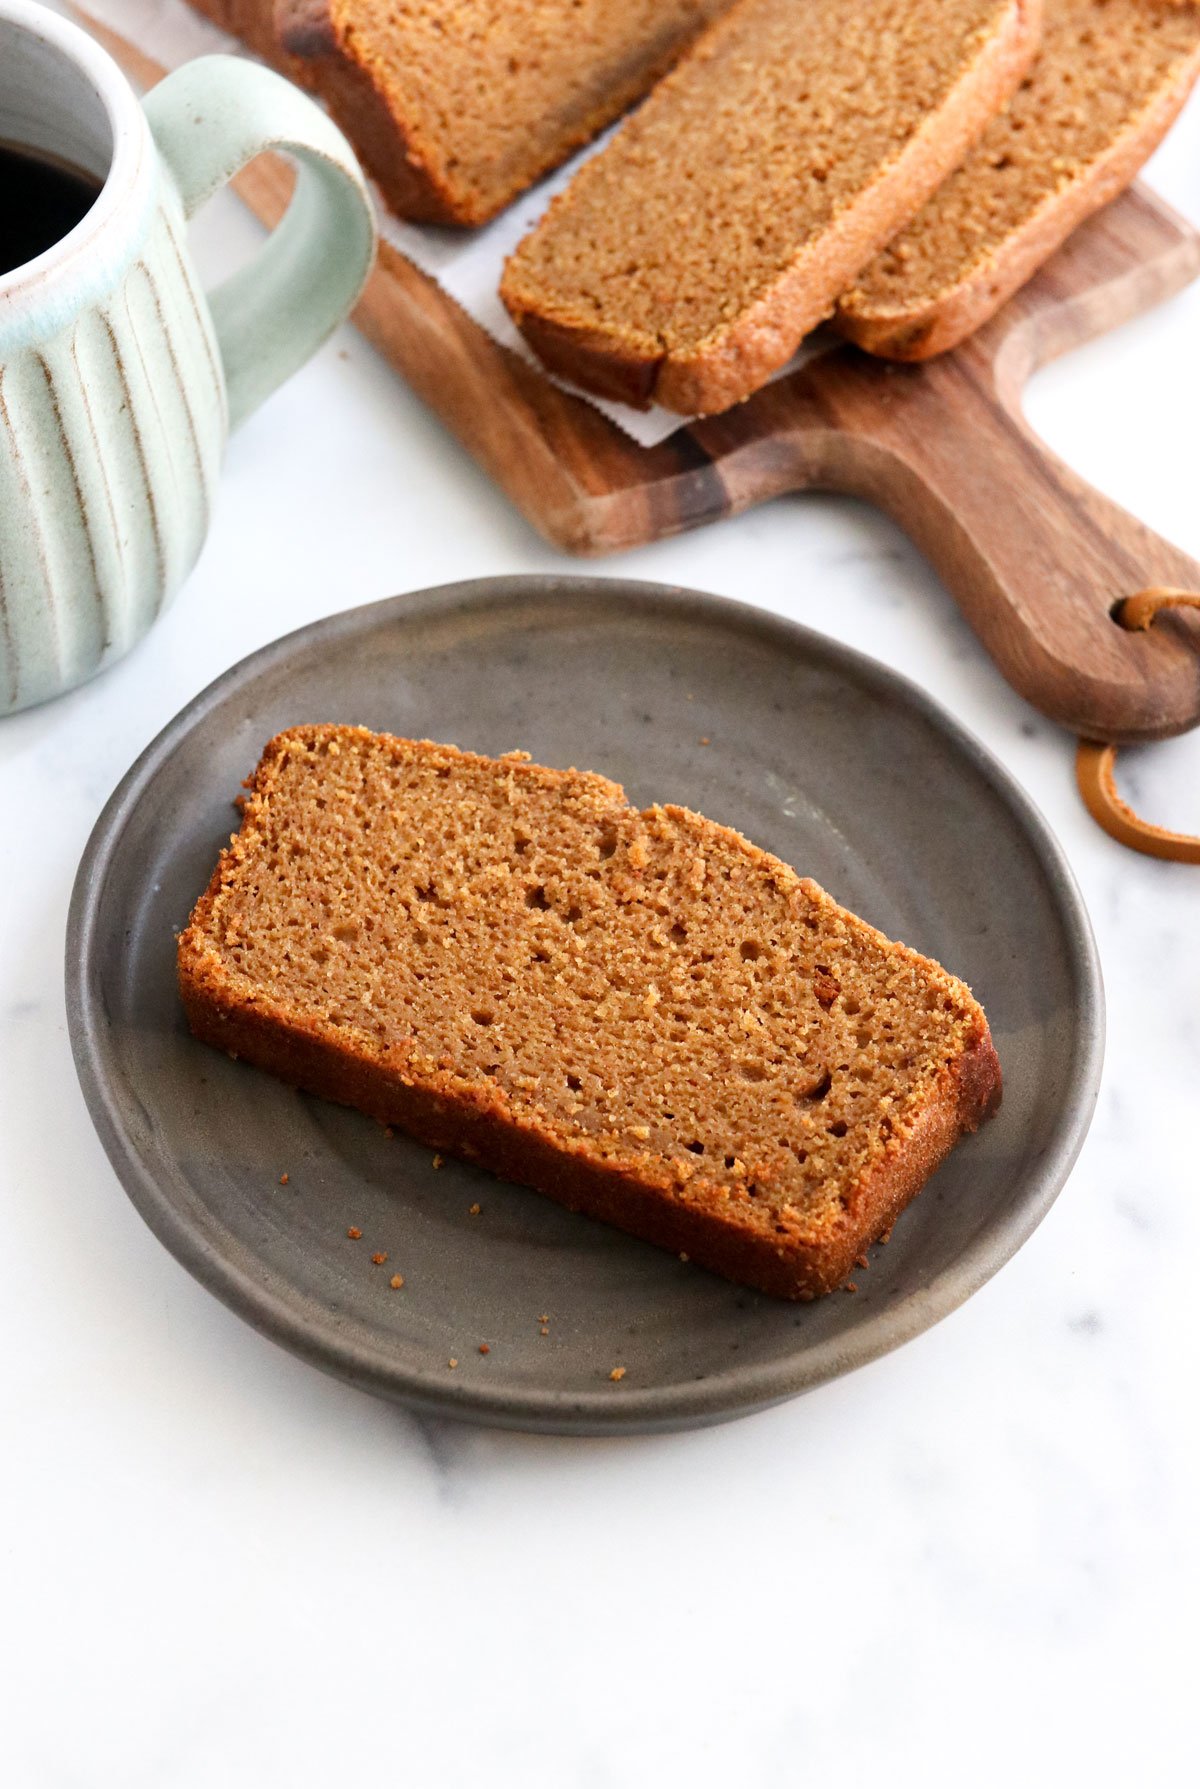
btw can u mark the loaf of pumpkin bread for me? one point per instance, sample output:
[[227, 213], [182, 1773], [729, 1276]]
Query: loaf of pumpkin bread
[[637, 1012]]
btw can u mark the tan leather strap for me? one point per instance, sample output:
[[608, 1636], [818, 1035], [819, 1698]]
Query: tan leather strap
[[1094, 762], [1137, 612]]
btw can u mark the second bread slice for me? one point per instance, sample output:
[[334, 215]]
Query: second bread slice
[[1111, 76], [685, 262]]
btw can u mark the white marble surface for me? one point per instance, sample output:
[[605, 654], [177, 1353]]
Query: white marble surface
[[973, 1562]]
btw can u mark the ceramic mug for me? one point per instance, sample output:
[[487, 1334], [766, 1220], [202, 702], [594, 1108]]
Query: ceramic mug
[[119, 378]]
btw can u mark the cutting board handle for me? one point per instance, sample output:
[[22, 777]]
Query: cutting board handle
[[1038, 560]]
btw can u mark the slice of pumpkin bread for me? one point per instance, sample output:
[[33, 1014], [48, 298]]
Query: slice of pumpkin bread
[[1109, 80], [456, 106], [638, 1012]]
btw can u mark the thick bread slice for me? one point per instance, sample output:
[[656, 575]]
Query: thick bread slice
[[1109, 81], [456, 106], [639, 1013], [688, 258]]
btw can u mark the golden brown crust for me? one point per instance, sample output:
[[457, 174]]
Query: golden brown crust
[[742, 354], [942, 322], [969, 1094], [307, 36], [588, 358], [782, 1251]]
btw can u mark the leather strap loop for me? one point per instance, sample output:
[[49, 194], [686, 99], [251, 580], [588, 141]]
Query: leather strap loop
[[1137, 612], [1094, 772], [1095, 762]]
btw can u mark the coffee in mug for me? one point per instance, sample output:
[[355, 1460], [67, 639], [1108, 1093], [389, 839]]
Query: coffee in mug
[[41, 198]]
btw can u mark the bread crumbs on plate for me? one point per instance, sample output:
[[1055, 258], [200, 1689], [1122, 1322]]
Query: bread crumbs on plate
[[283, 1179], [396, 1281], [379, 1257], [438, 1161], [483, 1348], [354, 1233], [453, 1362], [475, 1211], [617, 1374]]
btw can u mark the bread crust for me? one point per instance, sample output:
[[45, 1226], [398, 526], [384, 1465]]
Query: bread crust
[[779, 1252], [735, 360], [301, 39], [587, 357], [942, 322], [307, 35]]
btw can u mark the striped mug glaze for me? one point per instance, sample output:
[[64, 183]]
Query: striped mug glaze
[[119, 378]]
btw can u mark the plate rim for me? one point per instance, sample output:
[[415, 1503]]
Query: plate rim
[[736, 1391]]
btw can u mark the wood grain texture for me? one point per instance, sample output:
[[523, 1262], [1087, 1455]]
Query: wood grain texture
[[1035, 557]]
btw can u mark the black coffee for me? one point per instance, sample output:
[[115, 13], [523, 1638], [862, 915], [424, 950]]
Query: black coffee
[[41, 198]]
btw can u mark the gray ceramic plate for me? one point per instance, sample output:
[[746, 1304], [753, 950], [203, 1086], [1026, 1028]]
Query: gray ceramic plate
[[834, 763]]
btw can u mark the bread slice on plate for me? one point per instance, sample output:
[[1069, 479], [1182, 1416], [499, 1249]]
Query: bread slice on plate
[[1110, 79], [637, 1012], [686, 260], [456, 106]]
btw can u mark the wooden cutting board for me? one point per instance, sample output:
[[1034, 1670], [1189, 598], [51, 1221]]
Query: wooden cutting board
[[1035, 558]]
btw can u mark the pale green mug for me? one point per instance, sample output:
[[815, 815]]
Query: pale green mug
[[119, 378]]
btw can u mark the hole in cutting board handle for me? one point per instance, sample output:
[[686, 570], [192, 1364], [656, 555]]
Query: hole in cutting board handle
[[1095, 762]]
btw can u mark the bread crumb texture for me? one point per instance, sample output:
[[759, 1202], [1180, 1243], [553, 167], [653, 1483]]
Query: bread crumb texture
[[1108, 71], [638, 1011], [766, 158]]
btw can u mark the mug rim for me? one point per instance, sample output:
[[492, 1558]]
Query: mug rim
[[130, 169]]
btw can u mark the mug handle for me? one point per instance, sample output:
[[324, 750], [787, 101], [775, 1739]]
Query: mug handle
[[208, 119]]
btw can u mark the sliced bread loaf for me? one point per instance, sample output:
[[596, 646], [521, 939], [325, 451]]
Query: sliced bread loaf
[[686, 260], [639, 1013], [456, 106], [1110, 78]]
